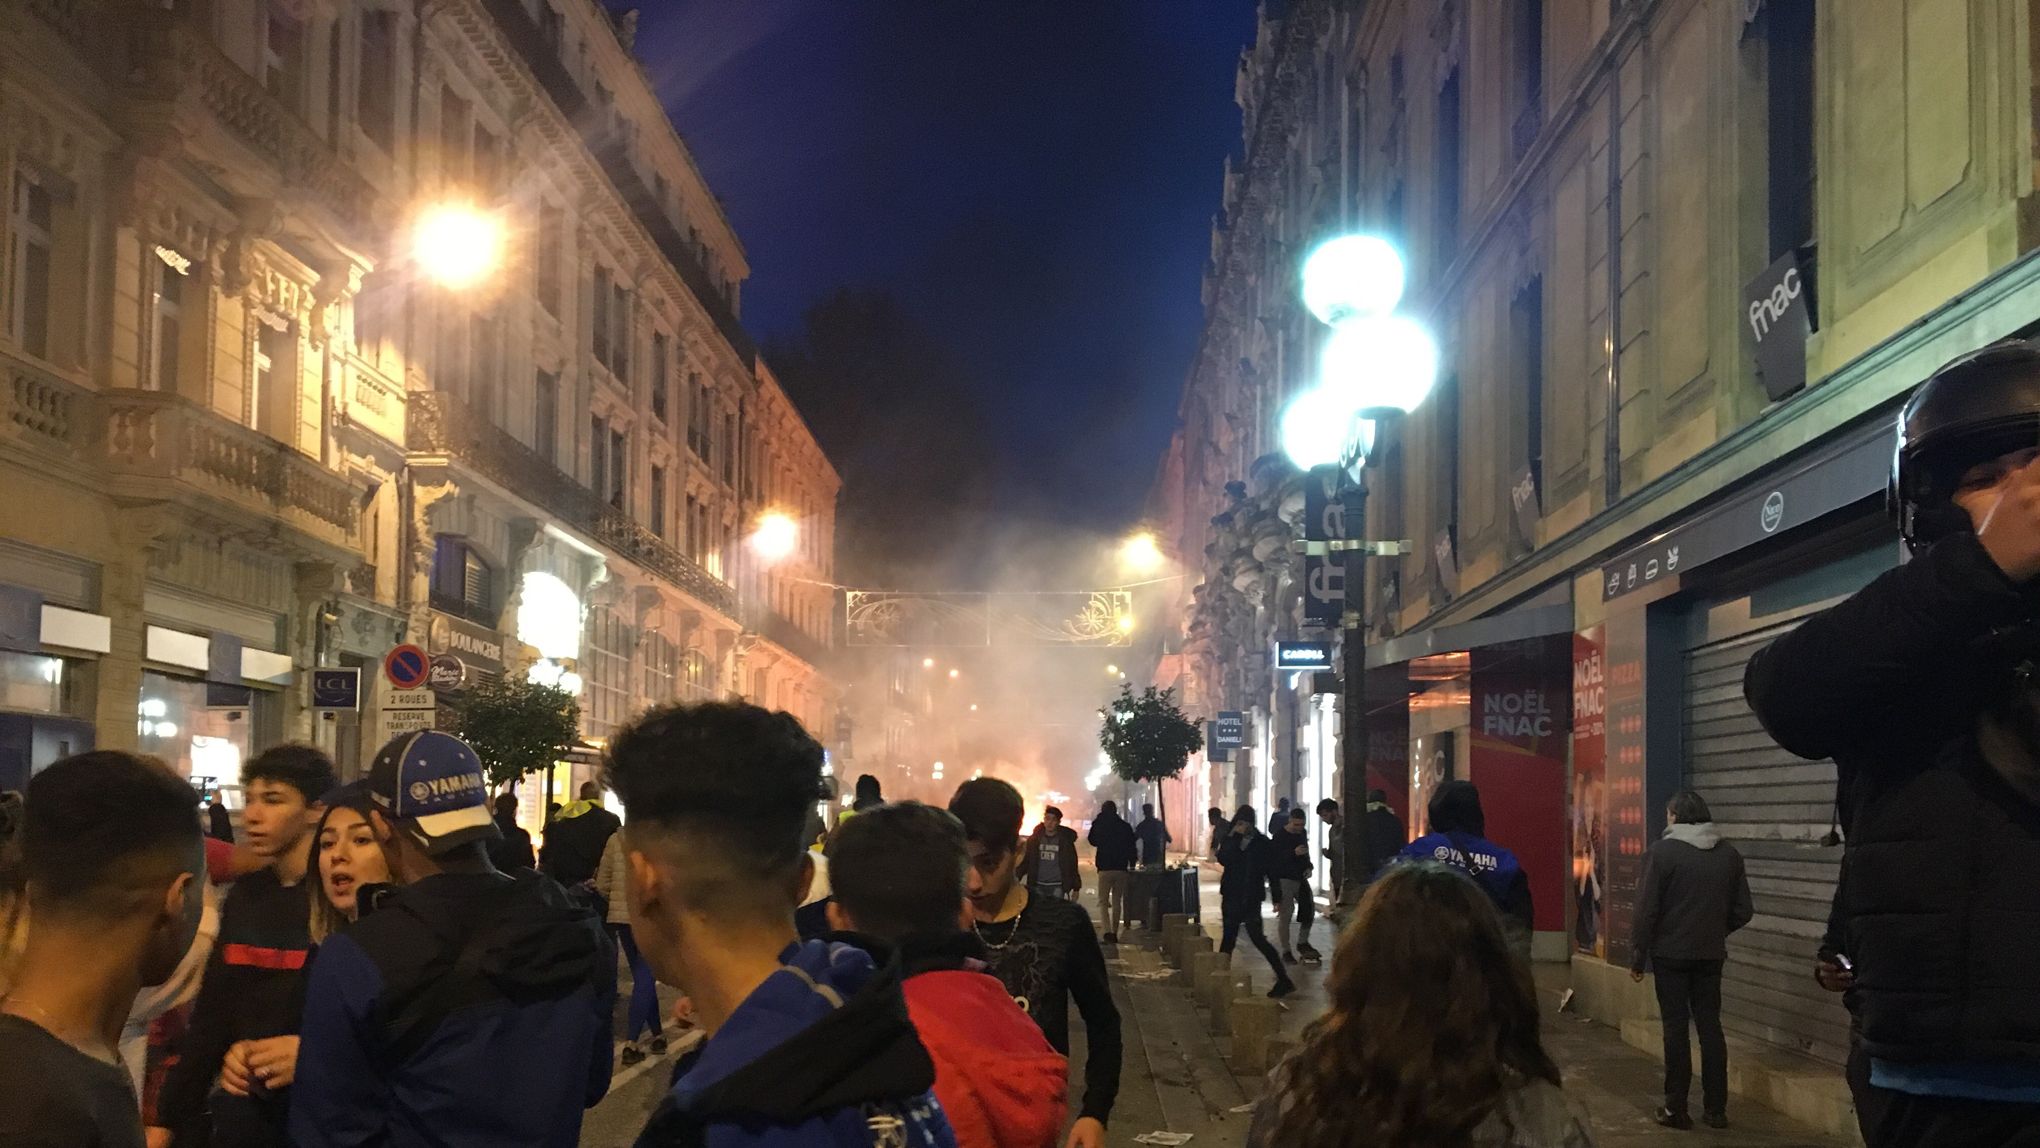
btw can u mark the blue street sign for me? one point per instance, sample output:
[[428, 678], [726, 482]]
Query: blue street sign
[[336, 689]]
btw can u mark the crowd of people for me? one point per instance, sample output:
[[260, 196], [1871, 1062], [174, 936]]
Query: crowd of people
[[387, 962]]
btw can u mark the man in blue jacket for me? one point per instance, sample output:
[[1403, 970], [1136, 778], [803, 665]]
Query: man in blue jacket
[[1458, 838], [809, 1044], [470, 1007]]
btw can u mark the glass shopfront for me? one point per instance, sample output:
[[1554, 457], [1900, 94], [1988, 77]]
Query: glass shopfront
[[203, 731]]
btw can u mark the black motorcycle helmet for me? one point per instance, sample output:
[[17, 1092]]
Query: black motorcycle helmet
[[1982, 406]]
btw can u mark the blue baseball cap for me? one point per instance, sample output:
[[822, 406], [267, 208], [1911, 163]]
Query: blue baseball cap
[[434, 784]]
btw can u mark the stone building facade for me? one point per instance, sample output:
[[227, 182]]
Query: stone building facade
[[252, 435], [1609, 212]]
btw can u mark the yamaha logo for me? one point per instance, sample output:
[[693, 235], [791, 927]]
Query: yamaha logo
[[420, 791]]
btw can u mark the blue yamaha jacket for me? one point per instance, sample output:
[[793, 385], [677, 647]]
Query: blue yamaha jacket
[[822, 1055]]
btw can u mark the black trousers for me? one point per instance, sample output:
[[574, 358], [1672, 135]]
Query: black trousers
[[1901, 1120], [1248, 917], [1689, 996]]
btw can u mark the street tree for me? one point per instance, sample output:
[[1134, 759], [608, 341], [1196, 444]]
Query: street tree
[[518, 726], [1147, 738]]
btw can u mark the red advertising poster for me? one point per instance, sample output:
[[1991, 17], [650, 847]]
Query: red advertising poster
[[1623, 762], [1521, 716], [1588, 809]]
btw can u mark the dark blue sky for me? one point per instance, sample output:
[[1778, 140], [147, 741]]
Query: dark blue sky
[[1034, 180]]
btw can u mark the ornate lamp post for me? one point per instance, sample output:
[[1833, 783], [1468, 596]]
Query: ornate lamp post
[[1376, 366]]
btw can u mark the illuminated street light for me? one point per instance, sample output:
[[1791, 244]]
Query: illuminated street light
[[1111, 671], [457, 244], [1315, 428], [1125, 623], [1141, 554], [1350, 277], [776, 537], [1381, 365], [954, 674], [927, 663]]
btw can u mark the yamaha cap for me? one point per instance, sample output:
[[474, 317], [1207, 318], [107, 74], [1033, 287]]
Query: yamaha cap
[[434, 783]]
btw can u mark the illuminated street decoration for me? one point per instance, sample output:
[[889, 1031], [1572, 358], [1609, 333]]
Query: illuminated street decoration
[[1071, 618]]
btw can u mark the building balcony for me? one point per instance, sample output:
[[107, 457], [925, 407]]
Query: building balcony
[[439, 423], [46, 414], [183, 83], [781, 631], [162, 446]]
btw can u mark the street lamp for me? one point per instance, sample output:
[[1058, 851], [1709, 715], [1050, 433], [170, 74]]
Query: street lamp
[[775, 537], [457, 244], [1376, 366], [1141, 554]]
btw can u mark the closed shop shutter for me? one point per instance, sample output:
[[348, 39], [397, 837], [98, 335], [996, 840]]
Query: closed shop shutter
[[1772, 806], [1775, 808]]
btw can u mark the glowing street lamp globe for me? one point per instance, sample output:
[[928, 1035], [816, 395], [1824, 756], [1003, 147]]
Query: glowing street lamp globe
[[1383, 365], [1351, 277], [457, 244], [1315, 428], [776, 537]]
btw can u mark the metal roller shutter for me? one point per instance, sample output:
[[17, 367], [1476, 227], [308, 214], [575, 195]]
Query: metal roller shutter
[[1775, 808]]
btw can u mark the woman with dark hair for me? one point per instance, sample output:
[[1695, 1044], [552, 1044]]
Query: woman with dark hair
[[1430, 1038], [1244, 853], [219, 823], [868, 794]]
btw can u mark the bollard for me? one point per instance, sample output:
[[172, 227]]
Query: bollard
[[1235, 988], [1186, 970], [1216, 986], [1191, 943], [1201, 967], [1255, 1021], [1174, 925]]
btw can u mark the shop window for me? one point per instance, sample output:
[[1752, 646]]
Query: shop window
[[176, 720], [607, 671], [661, 668], [699, 684], [34, 683], [463, 583]]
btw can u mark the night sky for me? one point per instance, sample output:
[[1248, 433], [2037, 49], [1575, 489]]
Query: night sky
[[1033, 181]]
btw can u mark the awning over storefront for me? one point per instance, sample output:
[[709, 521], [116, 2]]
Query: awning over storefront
[[1546, 614]]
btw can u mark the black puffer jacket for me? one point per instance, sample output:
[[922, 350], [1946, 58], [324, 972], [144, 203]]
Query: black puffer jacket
[[1247, 863], [1941, 910]]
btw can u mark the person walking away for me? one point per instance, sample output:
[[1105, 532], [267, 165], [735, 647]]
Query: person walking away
[[575, 839], [1154, 839], [1386, 835], [868, 795], [254, 981], [1051, 862], [809, 1042], [1244, 853], [219, 822], [113, 868], [1114, 848], [1289, 859], [901, 879], [1431, 1036], [1458, 838], [1692, 895], [471, 1007], [642, 1031], [1279, 820], [1041, 948], [511, 850], [1920, 689]]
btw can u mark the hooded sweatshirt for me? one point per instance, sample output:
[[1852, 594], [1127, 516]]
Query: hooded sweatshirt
[[469, 1009], [1693, 894], [1000, 1082], [574, 842], [820, 1055]]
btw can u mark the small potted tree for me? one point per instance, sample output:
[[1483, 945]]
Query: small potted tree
[[1147, 738]]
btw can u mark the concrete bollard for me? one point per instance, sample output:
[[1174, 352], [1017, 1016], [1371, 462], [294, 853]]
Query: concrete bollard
[[1202, 965], [1194, 948], [1192, 943], [1174, 925], [1226, 993], [1255, 1021]]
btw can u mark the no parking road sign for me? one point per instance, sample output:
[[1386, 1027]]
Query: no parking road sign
[[407, 667]]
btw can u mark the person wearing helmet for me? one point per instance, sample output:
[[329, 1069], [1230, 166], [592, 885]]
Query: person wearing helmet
[[1921, 688]]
